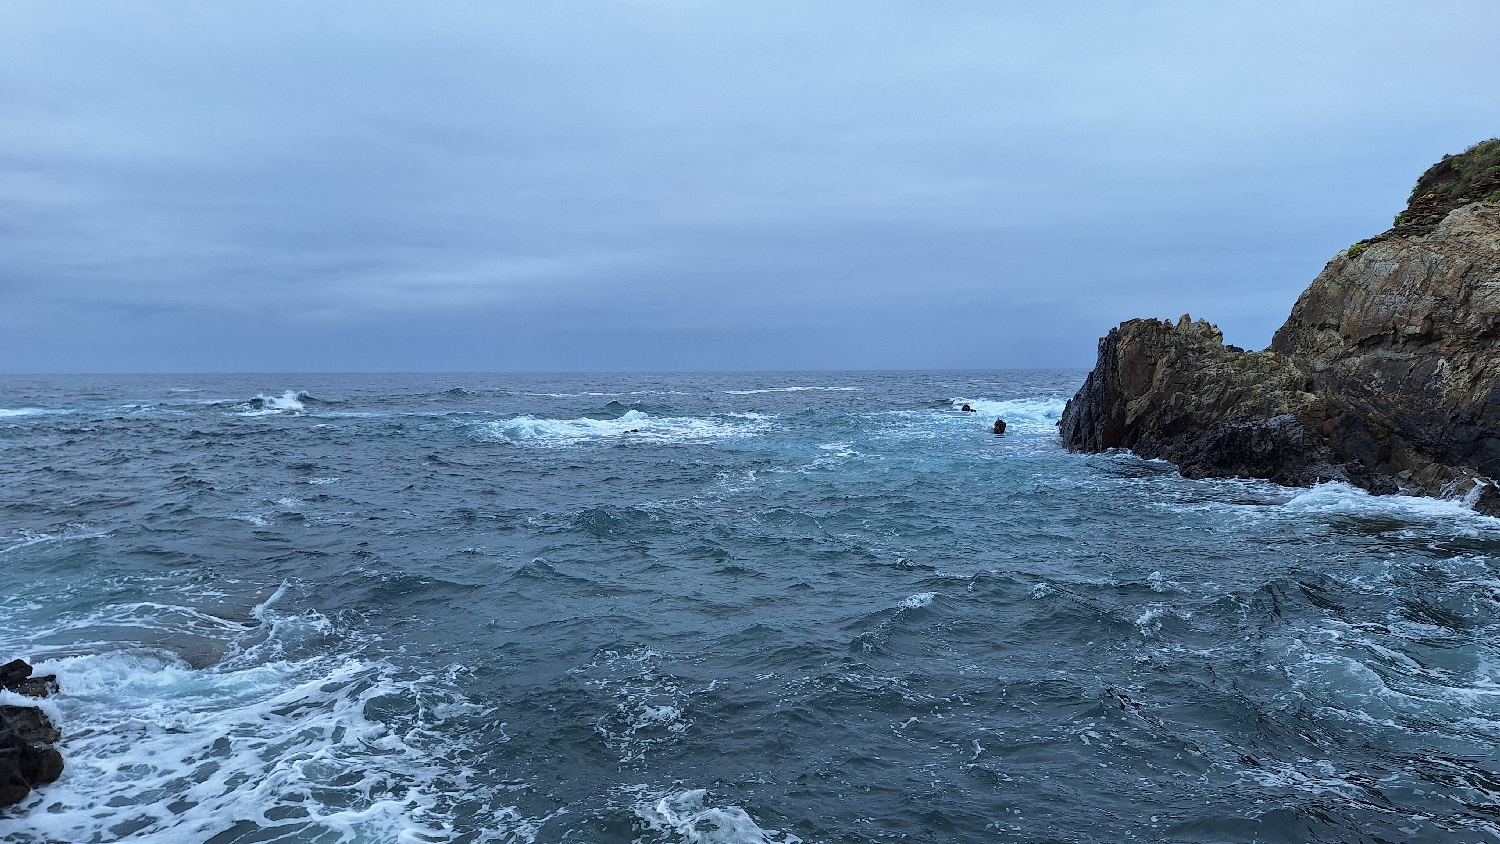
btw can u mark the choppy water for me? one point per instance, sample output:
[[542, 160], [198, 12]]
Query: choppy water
[[719, 608]]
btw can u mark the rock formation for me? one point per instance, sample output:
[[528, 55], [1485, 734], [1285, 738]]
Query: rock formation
[[27, 758], [1386, 375]]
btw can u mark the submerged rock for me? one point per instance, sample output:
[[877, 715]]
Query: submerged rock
[[27, 758], [1386, 375]]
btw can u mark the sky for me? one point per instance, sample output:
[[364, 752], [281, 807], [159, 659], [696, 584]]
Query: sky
[[668, 185]]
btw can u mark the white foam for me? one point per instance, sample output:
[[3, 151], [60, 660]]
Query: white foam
[[6, 412], [634, 425], [688, 815], [1343, 499], [159, 751], [264, 405], [793, 390], [919, 600], [1037, 414]]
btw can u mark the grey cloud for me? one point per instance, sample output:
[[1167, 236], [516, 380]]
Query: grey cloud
[[683, 185]]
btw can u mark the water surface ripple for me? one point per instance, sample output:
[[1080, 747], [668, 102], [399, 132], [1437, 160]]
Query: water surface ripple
[[718, 608]]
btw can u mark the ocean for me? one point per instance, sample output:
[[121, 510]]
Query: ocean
[[755, 607]]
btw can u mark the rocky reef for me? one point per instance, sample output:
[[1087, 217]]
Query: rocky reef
[[1386, 375], [27, 757]]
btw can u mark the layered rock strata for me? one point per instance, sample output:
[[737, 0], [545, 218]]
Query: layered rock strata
[[27, 757], [1386, 375]]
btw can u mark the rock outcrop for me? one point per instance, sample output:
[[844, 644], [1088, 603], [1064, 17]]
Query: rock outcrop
[[1386, 375], [27, 757]]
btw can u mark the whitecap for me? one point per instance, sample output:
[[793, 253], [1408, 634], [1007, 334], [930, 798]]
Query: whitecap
[[633, 425], [919, 600], [1036, 414], [288, 402], [1342, 499], [689, 815], [793, 390]]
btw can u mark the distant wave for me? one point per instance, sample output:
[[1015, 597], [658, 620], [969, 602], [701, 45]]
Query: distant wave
[[291, 401], [793, 390], [632, 425]]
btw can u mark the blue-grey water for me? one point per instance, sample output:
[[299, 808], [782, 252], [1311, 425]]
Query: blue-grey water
[[809, 607]]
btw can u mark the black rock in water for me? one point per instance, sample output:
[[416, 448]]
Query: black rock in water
[[27, 757]]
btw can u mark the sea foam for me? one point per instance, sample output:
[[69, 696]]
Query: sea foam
[[158, 750], [633, 425], [1037, 414], [689, 817]]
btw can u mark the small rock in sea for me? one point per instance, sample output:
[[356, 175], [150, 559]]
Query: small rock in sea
[[27, 758], [967, 409], [999, 426]]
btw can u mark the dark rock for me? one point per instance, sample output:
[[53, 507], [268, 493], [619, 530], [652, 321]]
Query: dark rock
[[967, 409], [27, 758], [30, 723], [16, 676], [1386, 375], [13, 672], [37, 686], [999, 426]]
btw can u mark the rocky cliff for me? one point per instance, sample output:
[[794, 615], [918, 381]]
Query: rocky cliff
[[1386, 375]]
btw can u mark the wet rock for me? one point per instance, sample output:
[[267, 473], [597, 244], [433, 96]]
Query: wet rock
[[1386, 375], [16, 676], [999, 427], [27, 758], [967, 409]]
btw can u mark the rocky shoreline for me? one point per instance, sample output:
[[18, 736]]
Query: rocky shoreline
[[1386, 375], [27, 757]]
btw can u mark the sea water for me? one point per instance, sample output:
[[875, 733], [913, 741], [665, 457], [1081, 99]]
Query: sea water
[[718, 608]]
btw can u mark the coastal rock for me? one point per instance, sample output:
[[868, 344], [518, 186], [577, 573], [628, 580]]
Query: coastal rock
[[16, 676], [27, 758], [1386, 375]]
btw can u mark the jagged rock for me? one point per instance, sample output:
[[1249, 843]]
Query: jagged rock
[[1386, 375], [16, 676], [27, 758], [999, 427]]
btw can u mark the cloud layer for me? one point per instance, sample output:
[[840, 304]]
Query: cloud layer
[[689, 185]]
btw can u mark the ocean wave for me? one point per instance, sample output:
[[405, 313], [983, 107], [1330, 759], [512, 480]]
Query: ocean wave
[[1344, 500], [688, 816], [793, 390], [313, 747], [633, 425], [291, 401], [1036, 414]]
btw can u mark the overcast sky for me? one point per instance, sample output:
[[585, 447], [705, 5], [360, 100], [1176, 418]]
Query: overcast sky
[[461, 186]]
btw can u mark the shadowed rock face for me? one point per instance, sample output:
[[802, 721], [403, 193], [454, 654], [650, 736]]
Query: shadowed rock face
[[1386, 375]]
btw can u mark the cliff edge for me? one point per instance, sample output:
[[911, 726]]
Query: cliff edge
[[1385, 376]]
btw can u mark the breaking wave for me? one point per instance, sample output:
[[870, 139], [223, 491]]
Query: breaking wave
[[633, 425], [1037, 414]]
